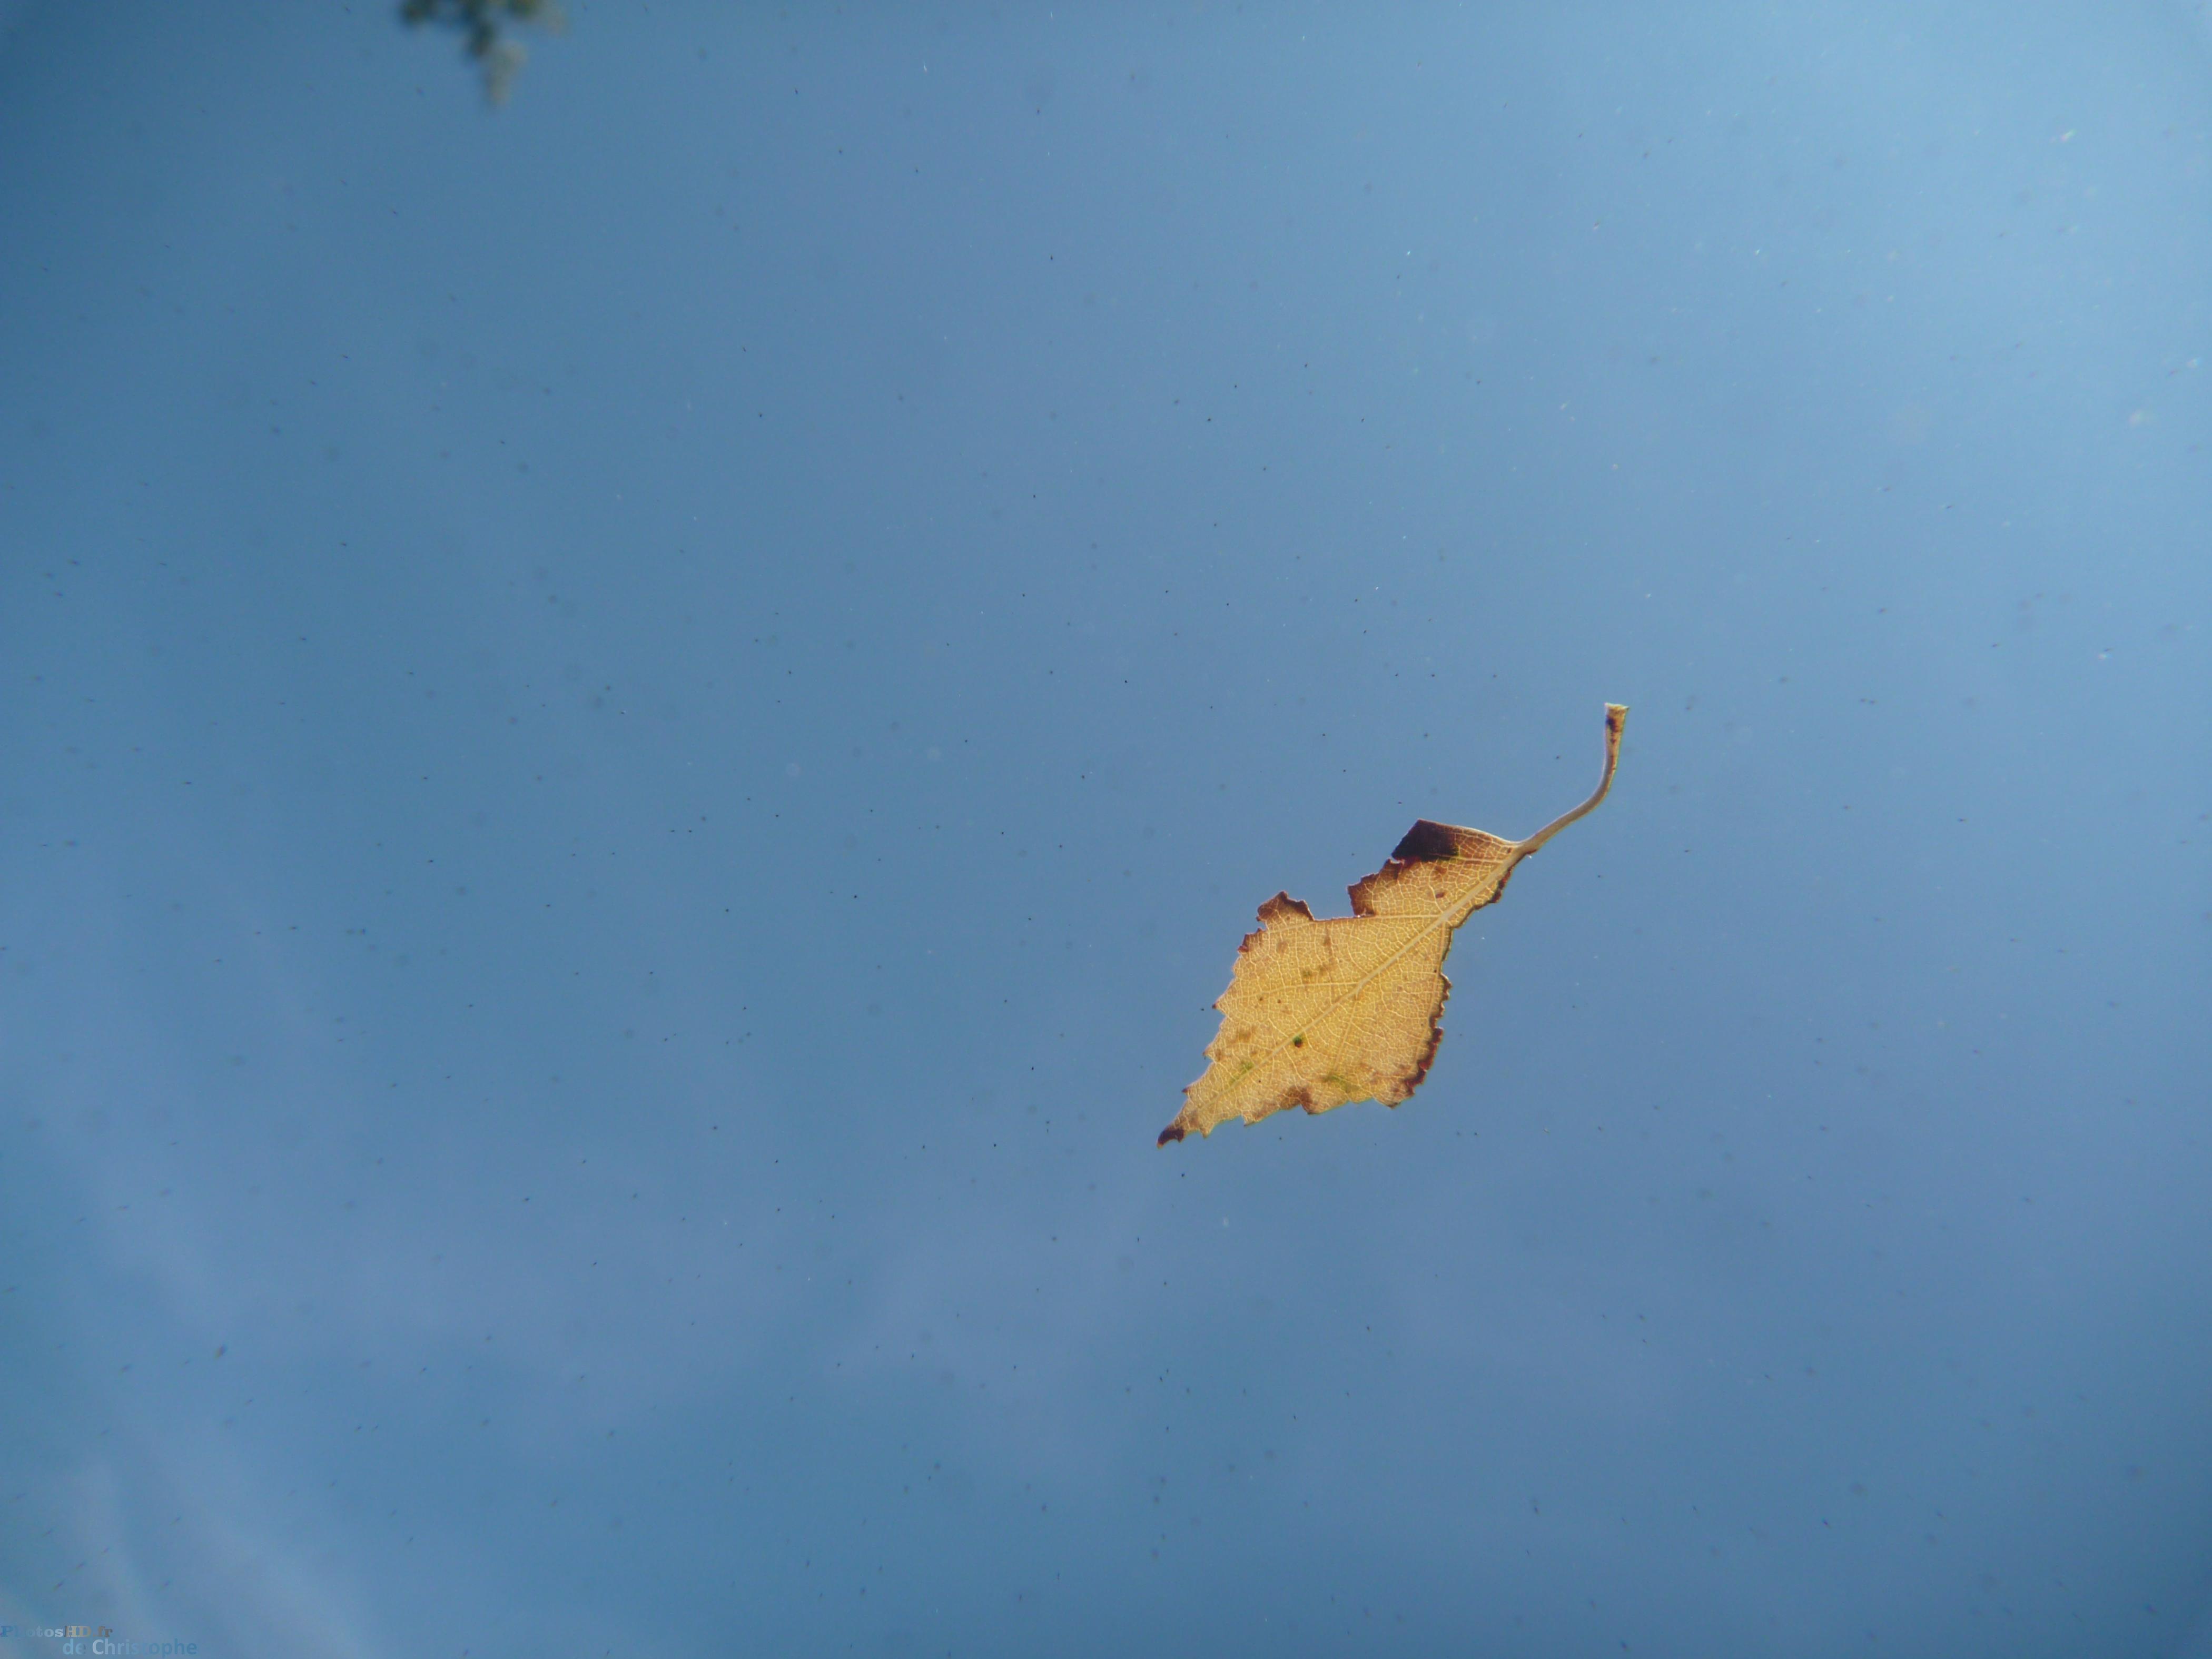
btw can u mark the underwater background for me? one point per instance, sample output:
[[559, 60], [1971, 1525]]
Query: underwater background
[[640, 724]]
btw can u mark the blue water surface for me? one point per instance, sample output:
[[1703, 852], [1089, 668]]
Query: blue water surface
[[639, 726]]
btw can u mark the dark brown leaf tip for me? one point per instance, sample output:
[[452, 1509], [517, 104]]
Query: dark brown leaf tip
[[1167, 1135], [1428, 843], [1284, 908]]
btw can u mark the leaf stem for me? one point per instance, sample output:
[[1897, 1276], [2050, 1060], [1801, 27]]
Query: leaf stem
[[1616, 716]]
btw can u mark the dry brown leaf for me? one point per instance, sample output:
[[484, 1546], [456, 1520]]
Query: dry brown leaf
[[1320, 1013]]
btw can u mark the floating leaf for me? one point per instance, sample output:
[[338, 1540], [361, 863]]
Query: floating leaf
[[1320, 1013]]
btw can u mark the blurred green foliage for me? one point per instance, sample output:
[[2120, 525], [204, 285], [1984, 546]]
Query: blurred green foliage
[[482, 23]]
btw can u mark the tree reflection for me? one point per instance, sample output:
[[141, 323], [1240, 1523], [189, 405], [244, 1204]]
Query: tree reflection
[[482, 24]]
